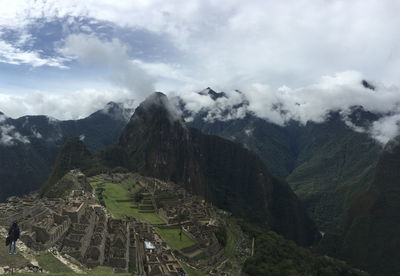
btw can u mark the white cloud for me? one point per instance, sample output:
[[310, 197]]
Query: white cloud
[[310, 103], [173, 113], [111, 57], [36, 134], [63, 106], [12, 55], [386, 128], [270, 50], [161, 70], [279, 42], [10, 136]]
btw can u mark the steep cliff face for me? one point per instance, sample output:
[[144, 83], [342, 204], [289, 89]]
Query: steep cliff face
[[372, 237], [156, 142]]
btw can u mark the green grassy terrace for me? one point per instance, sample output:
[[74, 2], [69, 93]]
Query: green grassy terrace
[[119, 200], [172, 238]]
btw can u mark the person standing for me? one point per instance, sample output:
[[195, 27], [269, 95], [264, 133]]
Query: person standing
[[13, 234]]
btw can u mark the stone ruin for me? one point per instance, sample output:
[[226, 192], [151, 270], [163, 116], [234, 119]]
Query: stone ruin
[[153, 255], [81, 229]]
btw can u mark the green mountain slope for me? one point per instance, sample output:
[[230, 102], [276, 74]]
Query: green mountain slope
[[332, 158], [324, 163], [273, 255], [372, 227], [26, 163], [270, 141]]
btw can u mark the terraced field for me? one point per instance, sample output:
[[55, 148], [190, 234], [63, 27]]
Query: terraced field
[[173, 239], [119, 200]]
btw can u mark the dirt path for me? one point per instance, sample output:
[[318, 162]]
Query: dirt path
[[75, 268]]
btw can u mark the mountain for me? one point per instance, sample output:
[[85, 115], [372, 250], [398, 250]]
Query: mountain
[[156, 142], [371, 238], [213, 95], [73, 155], [332, 163], [325, 163], [29, 145], [72, 180]]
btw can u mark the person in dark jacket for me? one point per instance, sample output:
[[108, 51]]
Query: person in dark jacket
[[13, 234]]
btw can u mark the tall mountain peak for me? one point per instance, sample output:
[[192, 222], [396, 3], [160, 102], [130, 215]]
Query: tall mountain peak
[[368, 85], [73, 155], [212, 94], [157, 106], [154, 125], [117, 111]]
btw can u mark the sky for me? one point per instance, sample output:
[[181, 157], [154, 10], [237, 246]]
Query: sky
[[67, 59]]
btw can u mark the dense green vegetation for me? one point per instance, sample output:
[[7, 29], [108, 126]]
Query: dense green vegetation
[[274, 255], [230, 233], [331, 161], [324, 163], [271, 142], [371, 237]]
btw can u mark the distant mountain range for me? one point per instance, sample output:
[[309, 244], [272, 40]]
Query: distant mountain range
[[29, 145], [347, 180], [324, 163]]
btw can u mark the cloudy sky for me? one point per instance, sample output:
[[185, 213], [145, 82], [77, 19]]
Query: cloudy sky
[[68, 58]]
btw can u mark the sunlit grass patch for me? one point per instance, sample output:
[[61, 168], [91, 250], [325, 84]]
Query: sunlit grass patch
[[172, 238]]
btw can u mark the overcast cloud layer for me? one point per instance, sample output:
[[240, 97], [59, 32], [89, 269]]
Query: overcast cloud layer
[[68, 58]]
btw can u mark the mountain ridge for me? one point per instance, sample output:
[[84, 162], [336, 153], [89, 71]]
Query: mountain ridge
[[323, 162], [33, 143]]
